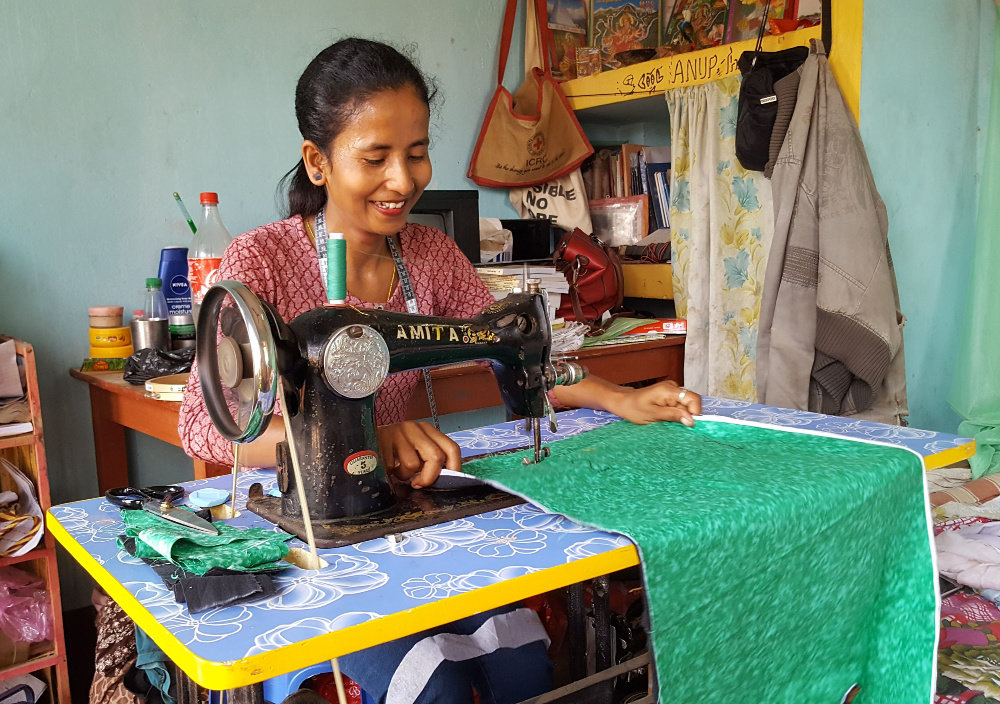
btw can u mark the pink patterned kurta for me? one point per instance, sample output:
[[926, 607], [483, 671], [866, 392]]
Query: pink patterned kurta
[[278, 262]]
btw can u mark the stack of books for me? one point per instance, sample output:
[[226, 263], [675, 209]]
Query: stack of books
[[631, 170], [502, 280]]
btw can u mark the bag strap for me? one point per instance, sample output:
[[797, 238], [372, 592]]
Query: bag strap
[[540, 22], [536, 49], [760, 35], [827, 31]]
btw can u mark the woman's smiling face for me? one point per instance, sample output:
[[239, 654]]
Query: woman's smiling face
[[378, 165]]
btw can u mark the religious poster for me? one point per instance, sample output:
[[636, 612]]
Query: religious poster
[[745, 17], [568, 24], [696, 24], [624, 25]]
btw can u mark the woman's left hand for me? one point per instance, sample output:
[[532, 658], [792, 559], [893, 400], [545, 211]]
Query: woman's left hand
[[662, 401]]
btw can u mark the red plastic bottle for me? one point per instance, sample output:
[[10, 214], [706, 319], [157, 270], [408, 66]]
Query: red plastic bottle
[[205, 253]]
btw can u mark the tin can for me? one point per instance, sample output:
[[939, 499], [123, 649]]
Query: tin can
[[182, 333]]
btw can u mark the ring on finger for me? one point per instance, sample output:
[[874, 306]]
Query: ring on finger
[[682, 394]]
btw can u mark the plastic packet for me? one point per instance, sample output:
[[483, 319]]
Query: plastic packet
[[25, 614], [150, 363]]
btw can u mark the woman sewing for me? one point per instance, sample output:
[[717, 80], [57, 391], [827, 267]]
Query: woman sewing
[[363, 110]]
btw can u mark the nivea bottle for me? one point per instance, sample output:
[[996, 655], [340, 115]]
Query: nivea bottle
[[174, 274]]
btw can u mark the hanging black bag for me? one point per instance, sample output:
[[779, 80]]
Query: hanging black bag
[[759, 101]]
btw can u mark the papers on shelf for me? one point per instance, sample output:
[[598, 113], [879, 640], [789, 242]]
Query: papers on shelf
[[7, 429], [22, 689], [10, 377], [24, 532]]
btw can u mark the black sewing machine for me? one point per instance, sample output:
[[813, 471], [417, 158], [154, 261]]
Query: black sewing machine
[[331, 361]]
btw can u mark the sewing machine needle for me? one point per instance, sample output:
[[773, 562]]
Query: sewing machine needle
[[536, 431]]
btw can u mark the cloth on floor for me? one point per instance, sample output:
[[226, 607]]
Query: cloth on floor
[[971, 555], [217, 587], [944, 478], [968, 651], [976, 491], [989, 511], [242, 549], [151, 661], [115, 653], [951, 691], [817, 550], [499, 653]]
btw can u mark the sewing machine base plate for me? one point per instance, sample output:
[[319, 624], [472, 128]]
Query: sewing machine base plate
[[415, 510]]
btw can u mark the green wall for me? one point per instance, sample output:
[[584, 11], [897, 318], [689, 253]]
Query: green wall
[[107, 108], [924, 99]]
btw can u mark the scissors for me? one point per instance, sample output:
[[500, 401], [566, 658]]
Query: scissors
[[157, 501]]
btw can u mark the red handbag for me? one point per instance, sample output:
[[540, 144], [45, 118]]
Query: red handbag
[[594, 273]]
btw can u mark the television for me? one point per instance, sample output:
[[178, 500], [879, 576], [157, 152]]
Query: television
[[456, 213]]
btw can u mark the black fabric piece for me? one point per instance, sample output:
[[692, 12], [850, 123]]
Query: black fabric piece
[[758, 103], [827, 31], [135, 681], [217, 587]]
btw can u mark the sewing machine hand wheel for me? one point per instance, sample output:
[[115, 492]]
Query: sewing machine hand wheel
[[237, 360]]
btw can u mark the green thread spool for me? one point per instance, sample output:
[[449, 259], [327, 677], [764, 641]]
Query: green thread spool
[[336, 268]]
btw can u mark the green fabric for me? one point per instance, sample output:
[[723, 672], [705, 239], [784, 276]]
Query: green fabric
[[242, 549], [975, 386], [779, 566]]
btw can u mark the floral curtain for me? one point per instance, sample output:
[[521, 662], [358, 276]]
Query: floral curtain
[[721, 227]]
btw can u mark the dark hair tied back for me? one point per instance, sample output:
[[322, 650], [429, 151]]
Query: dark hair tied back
[[329, 92]]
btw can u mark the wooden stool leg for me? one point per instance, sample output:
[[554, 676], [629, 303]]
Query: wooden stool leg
[[186, 689], [254, 694]]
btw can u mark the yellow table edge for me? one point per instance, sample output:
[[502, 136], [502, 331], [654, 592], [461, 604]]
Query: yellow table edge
[[257, 668], [950, 456]]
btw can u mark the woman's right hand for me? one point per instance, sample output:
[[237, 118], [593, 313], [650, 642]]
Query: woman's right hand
[[416, 452]]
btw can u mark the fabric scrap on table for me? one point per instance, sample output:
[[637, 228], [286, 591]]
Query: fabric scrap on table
[[817, 548], [241, 549], [216, 588]]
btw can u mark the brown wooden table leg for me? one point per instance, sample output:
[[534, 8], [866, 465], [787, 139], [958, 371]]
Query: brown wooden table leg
[[109, 442], [203, 469]]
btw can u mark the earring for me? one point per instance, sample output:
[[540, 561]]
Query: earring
[[317, 176]]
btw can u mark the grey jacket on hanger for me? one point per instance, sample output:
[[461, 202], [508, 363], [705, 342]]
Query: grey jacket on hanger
[[831, 332]]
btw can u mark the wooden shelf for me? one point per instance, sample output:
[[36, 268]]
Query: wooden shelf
[[651, 78], [599, 98], [646, 280], [21, 440], [46, 660]]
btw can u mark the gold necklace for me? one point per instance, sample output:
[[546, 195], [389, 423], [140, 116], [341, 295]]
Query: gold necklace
[[392, 280]]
